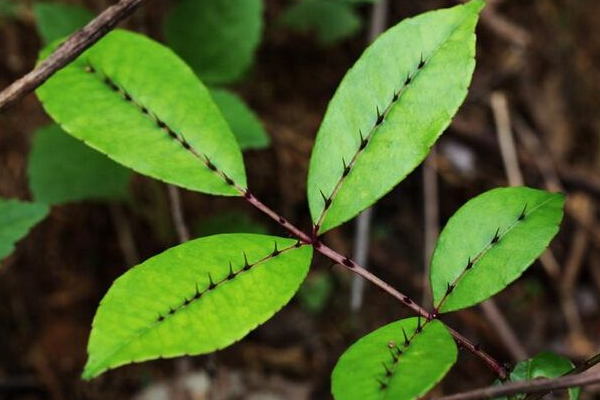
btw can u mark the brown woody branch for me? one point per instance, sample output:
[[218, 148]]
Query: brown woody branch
[[76, 44], [533, 386]]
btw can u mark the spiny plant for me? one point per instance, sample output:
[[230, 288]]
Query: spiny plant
[[146, 109]]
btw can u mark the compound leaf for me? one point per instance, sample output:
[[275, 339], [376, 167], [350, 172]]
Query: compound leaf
[[331, 20], [217, 38], [389, 110], [245, 125], [62, 169], [383, 365], [55, 20], [543, 365], [489, 242], [195, 298], [134, 100], [16, 219]]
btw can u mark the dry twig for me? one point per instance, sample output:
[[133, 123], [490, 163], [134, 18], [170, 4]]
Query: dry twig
[[76, 44], [533, 386]]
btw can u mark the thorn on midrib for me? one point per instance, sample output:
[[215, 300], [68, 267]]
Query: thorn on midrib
[[421, 62], [363, 141], [522, 216], [406, 339], [469, 264], [496, 237], [326, 200], [346, 168], [276, 251], [380, 117]]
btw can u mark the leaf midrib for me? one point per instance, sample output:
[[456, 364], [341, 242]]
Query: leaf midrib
[[152, 116], [145, 330], [485, 250], [340, 181], [396, 365]]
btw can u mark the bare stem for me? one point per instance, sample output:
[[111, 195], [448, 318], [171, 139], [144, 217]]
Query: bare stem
[[351, 265], [76, 44], [584, 366], [183, 233], [532, 386]]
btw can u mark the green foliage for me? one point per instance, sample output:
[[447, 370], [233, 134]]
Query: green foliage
[[134, 100], [381, 365], [188, 300], [16, 219], [315, 292], [8, 9], [62, 169], [245, 125], [217, 38], [56, 20], [331, 20], [399, 96], [543, 365], [490, 241], [229, 222]]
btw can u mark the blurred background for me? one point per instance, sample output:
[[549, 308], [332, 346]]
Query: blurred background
[[532, 117]]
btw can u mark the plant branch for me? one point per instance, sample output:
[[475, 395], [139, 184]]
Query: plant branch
[[76, 44], [533, 386], [183, 233], [351, 265], [584, 366]]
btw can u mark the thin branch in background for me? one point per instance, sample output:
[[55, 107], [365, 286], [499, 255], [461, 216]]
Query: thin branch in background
[[432, 218], [509, 157], [125, 236], [539, 155], [502, 26], [547, 167], [183, 233], [505, 139], [363, 222], [184, 364], [361, 252], [76, 44], [567, 284], [532, 386]]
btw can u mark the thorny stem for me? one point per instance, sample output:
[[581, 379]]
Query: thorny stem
[[493, 364]]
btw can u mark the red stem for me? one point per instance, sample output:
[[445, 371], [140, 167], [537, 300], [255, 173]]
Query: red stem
[[493, 364]]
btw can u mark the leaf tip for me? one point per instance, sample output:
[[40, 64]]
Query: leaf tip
[[90, 371], [476, 5]]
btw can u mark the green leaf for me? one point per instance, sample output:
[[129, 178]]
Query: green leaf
[[245, 125], [55, 20], [16, 219], [543, 365], [315, 292], [436, 50], [62, 169], [134, 100], [490, 241], [8, 9], [372, 370], [167, 307], [332, 21], [218, 38]]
